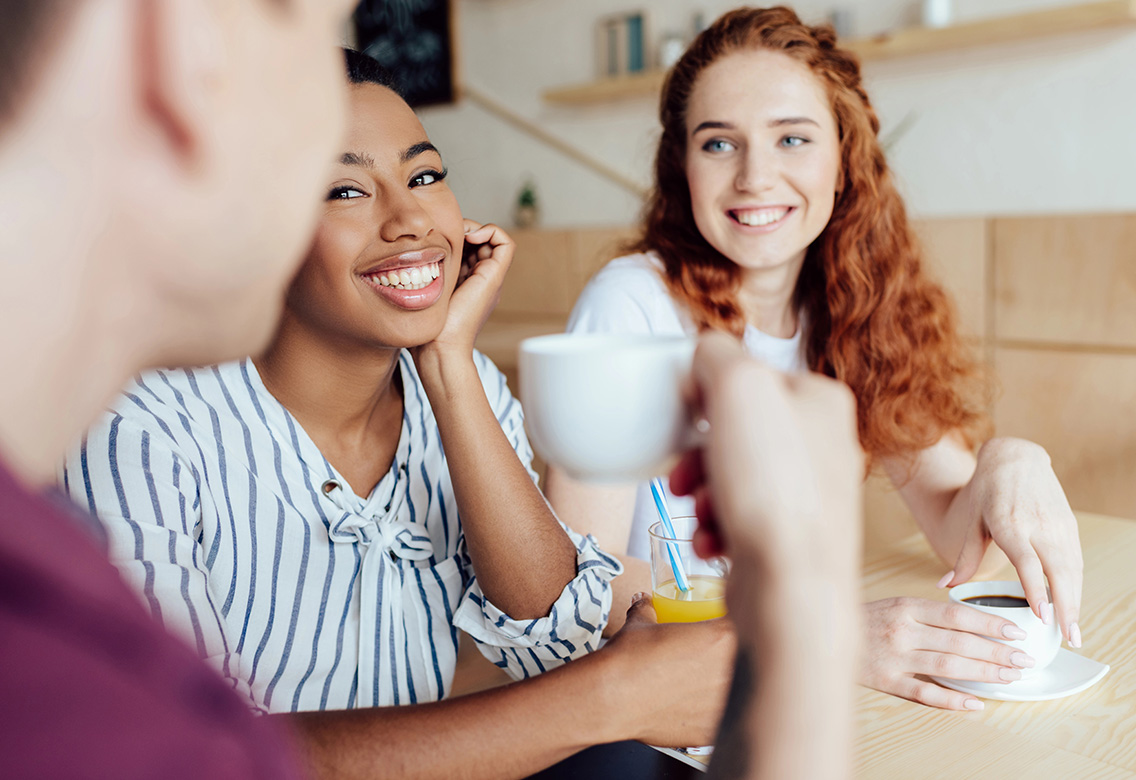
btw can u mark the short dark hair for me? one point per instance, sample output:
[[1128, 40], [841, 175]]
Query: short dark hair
[[25, 39], [365, 69]]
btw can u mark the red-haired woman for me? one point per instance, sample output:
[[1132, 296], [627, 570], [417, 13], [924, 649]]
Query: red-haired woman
[[774, 217]]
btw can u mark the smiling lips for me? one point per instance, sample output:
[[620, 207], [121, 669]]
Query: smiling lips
[[407, 278], [760, 217]]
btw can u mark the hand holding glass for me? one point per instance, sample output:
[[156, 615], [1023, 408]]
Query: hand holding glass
[[706, 598]]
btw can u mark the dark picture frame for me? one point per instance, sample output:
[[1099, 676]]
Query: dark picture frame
[[416, 40]]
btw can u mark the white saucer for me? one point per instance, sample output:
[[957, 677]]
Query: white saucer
[[1068, 674]]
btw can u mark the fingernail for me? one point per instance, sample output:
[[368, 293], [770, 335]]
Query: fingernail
[[974, 704], [1012, 631], [946, 578], [1074, 635], [1023, 661], [1046, 612], [636, 598], [1009, 675]]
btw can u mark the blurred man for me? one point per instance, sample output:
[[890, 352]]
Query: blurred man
[[778, 488], [160, 166]]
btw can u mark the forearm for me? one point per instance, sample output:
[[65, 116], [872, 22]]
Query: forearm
[[790, 712], [506, 732], [935, 487], [504, 517], [802, 717]]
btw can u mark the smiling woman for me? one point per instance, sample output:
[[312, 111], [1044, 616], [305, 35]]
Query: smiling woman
[[774, 217], [315, 472]]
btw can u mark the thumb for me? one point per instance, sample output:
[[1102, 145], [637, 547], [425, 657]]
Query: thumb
[[641, 611], [970, 557]]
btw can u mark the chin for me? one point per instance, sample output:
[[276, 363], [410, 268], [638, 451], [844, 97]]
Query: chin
[[410, 338]]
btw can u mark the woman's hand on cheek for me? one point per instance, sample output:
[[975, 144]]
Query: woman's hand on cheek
[[486, 257], [1017, 502]]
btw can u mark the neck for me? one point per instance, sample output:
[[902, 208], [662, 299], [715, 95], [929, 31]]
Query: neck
[[766, 298], [339, 392]]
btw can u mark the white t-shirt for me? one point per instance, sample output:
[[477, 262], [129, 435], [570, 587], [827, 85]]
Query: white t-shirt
[[629, 295]]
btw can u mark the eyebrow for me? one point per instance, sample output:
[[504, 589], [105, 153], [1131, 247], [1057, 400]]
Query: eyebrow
[[360, 159], [789, 120], [419, 148], [364, 160]]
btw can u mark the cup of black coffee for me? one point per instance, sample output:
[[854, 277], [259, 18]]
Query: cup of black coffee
[[1007, 599]]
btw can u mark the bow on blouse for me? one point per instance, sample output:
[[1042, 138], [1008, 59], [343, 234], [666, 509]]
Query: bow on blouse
[[387, 531]]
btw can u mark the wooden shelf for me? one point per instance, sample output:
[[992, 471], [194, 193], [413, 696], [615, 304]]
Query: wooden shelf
[[616, 88], [1108, 14], [1004, 29]]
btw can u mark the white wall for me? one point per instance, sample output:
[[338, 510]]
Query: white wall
[[1040, 127]]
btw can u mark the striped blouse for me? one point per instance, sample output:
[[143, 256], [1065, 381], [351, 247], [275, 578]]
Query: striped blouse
[[243, 539]]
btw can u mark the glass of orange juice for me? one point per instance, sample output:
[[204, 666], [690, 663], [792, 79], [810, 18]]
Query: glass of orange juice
[[706, 597]]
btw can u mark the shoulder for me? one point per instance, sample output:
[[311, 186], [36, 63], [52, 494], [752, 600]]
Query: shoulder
[[179, 403], [639, 274], [628, 295]]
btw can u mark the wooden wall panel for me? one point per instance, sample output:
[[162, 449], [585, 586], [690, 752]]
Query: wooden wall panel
[[595, 247], [1082, 408], [1066, 280], [541, 279], [551, 267], [957, 254], [887, 521]]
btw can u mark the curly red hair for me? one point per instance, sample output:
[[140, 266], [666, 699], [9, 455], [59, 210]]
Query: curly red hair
[[873, 318]]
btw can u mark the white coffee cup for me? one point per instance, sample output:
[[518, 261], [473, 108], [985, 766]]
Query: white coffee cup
[[1042, 641], [605, 407]]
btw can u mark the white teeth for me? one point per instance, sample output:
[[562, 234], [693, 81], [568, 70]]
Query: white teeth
[[760, 218], [409, 278]]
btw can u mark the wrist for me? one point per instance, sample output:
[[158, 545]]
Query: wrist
[[802, 613], [444, 368], [604, 677]]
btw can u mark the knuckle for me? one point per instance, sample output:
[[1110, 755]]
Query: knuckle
[[944, 665], [957, 615], [958, 643], [904, 606]]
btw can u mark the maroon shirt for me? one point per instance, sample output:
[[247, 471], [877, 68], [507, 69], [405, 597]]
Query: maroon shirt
[[90, 685]]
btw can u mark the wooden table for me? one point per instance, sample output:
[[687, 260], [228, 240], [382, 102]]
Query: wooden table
[[1088, 736], [1091, 734]]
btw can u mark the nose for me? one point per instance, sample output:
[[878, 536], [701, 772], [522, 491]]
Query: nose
[[756, 171], [402, 216]]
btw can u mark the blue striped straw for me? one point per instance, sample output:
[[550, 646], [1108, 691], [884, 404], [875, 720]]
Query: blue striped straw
[[672, 549]]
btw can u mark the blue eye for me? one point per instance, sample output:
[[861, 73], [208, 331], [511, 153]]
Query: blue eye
[[346, 192], [428, 177], [717, 145], [793, 141]]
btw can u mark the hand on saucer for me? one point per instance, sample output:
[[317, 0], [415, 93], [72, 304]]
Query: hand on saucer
[[905, 637]]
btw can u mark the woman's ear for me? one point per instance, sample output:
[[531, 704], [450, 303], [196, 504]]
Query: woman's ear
[[177, 48]]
